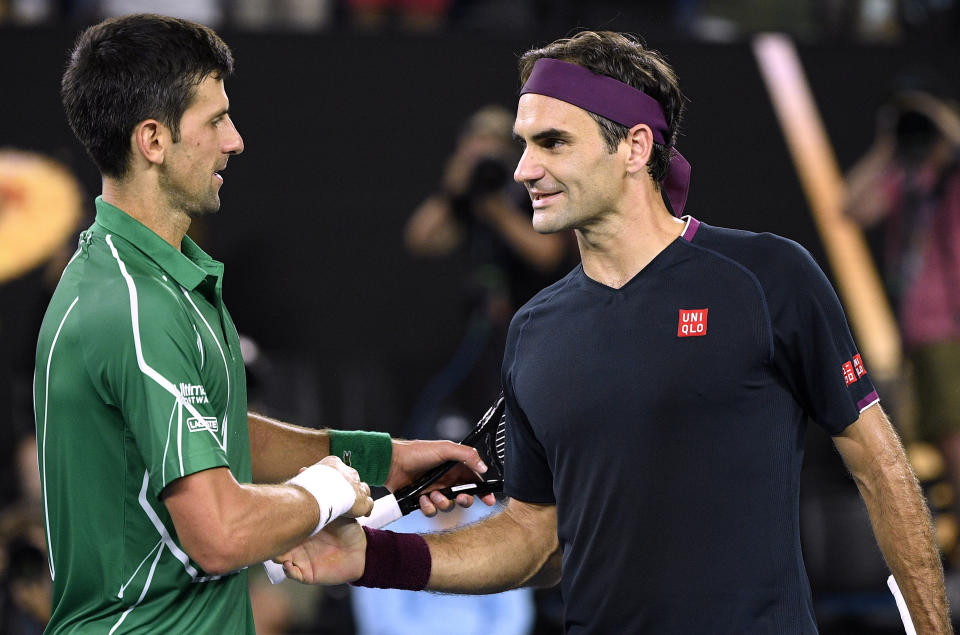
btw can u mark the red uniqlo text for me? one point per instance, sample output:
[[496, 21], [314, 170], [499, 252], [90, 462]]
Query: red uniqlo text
[[849, 375], [858, 366], [693, 323]]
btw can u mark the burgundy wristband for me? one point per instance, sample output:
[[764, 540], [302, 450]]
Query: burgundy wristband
[[395, 561]]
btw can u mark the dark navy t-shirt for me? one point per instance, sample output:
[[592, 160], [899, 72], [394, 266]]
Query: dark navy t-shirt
[[665, 419]]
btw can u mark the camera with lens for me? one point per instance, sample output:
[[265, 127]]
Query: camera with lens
[[915, 134], [489, 175]]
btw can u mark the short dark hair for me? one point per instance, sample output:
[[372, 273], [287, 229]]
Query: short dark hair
[[127, 69], [623, 57]]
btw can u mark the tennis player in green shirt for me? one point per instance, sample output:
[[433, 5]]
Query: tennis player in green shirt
[[147, 454]]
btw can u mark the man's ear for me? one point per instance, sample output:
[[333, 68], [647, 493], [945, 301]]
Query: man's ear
[[640, 140], [151, 139]]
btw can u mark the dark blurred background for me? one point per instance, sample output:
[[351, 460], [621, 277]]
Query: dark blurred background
[[348, 112]]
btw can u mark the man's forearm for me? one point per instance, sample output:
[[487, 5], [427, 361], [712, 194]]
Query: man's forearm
[[278, 450], [900, 517], [865, 198], [902, 525], [517, 547], [224, 525], [270, 520]]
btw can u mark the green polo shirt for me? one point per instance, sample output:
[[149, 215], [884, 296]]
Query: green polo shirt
[[139, 381]]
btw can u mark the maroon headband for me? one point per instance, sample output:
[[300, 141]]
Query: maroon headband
[[616, 101]]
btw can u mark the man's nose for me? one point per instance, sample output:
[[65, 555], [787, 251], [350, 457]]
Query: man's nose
[[235, 142], [528, 168]]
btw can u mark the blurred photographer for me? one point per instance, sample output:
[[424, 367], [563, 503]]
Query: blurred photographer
[[910, 180], [479, 211], [479, 208]]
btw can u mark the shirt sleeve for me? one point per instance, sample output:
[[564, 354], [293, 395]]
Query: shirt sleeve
[[813, 347], [527, 473], [146, 353]]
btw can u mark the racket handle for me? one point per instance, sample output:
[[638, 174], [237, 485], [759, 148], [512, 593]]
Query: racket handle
[[385, 511], [473, 489]]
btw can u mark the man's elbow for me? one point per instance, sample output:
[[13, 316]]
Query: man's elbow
[[550, 573], [545, 567], [215, 553]]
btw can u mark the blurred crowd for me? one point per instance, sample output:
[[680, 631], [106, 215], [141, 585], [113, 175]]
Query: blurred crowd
[[708, 20]]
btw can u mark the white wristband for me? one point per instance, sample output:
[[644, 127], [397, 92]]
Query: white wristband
[[333, 492]]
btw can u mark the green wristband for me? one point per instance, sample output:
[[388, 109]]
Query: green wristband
[[369, 453]]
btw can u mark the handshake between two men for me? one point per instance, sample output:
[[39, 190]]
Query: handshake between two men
[[334, 553]]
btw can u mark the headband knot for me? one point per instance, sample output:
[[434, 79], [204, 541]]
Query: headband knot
[[616, 101]]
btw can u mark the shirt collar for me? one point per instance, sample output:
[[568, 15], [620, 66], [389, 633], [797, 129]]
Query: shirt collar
[[189, 267]]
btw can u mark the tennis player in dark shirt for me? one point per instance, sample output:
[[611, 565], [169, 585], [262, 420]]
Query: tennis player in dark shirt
[[658, 395]]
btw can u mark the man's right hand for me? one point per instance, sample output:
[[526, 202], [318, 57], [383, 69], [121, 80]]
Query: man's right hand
[[335, 555], [363, 504]]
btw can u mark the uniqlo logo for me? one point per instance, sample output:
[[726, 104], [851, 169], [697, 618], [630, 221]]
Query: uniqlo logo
[[858, 366], [849, 375], [693, 323]]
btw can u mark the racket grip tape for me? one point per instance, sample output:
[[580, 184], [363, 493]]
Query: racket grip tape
[[274, 571], [473, 489], [385, 511]]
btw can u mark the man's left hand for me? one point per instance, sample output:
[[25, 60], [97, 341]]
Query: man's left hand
[[412, 458], [335, 555]]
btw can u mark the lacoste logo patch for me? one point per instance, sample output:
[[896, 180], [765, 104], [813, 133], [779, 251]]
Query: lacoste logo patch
[[207, 423], [693, 323]]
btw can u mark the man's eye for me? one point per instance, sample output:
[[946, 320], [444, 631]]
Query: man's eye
[[551, 143]]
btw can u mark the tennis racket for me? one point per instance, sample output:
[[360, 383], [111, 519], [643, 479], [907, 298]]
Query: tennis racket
[[488, 437]]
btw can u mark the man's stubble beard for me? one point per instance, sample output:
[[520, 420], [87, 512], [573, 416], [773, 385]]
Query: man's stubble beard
[[179, 199]]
